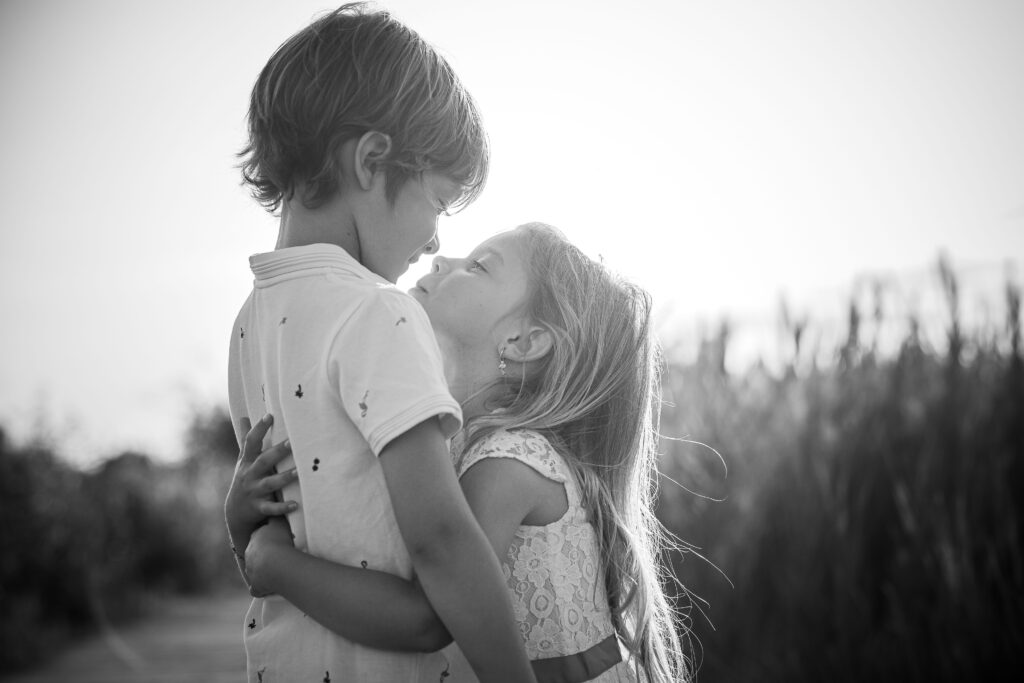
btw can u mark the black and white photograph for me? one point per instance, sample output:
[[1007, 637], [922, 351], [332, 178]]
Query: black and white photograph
[[452, 341]]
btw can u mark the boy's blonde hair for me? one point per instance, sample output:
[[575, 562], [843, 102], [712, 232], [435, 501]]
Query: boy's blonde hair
[[596, 397], [350, 72]]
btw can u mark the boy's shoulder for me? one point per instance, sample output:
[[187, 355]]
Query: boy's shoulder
[[332, 299], [350, 294], [385, 304], [386, 322]]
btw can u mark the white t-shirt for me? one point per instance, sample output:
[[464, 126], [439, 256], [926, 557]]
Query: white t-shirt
[[345, 362]]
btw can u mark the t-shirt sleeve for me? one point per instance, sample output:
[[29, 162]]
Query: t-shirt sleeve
[[385, 364]]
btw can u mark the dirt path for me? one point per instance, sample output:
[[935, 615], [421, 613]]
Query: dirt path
[[193, 640]]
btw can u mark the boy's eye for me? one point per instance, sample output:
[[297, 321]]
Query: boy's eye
[[476, 265]]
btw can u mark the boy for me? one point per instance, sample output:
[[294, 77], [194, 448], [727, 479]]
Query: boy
[[360, 133]]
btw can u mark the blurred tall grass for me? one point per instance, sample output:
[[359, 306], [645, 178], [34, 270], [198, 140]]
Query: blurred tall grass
[[872, 520], [870, 526]]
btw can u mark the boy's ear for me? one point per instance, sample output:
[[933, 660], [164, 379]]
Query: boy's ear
[[371, 149], [531, 344]]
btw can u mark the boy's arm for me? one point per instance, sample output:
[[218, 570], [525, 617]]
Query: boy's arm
[[366, 606], [375, 608], [453, 559]]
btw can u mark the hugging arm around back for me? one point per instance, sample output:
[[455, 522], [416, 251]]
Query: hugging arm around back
[[366, 606], [461, 589]]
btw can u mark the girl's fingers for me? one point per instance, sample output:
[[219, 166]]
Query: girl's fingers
[[277, 482], [268, 459], [245, 425], [272, 509], [254, 438]]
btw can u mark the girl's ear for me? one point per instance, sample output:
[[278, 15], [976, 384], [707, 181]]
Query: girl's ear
[[529, 345], [371, 149]]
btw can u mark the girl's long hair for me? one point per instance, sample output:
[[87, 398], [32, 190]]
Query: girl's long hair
[[596, 397]]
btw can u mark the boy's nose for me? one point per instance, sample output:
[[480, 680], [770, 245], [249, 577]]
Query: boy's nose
[[433, 246]]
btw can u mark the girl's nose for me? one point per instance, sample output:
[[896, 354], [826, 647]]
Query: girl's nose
[[440, 264]]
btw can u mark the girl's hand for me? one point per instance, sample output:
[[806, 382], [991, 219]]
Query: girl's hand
[[251, 498], [269, 539]]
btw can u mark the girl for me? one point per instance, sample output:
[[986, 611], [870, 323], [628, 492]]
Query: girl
[[553, 361]]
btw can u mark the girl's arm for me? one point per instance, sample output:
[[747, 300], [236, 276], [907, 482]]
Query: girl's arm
[[382, 610], [366, 606], [251, 497]]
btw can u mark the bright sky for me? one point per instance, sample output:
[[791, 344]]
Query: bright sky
[[722, 153]]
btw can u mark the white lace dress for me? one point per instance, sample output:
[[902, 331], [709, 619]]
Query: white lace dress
[[554, 577]]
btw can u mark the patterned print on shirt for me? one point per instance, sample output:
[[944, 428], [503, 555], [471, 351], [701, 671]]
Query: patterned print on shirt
[[283, 320], [241, 333], [362, 564], [252, 624], [362, 404], [400, 321], [327, 677], [316, 464], [298, 392], [259, 674]]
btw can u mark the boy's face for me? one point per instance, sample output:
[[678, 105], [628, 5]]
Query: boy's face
[[393, 235]]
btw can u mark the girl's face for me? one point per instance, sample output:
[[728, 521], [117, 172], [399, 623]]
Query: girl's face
[[472, 300]]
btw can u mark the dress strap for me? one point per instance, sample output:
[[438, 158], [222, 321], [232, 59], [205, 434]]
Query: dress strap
[[526, 446]]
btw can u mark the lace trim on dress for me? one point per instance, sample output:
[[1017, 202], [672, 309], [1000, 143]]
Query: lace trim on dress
[[553, 571], [528, 447]]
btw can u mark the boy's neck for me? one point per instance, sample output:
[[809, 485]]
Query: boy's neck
[[330, 223]]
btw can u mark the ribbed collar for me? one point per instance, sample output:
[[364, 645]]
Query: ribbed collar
[[292, 260]]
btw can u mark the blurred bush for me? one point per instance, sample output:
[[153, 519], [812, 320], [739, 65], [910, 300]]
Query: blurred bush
[[80, 549], [872, 521]]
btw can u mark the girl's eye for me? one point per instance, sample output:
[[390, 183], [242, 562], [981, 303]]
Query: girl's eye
[[476, 265]]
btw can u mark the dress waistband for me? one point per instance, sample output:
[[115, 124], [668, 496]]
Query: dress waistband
[[581, 666]]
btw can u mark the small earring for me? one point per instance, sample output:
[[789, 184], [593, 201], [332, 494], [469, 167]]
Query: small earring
[[501, 361]]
